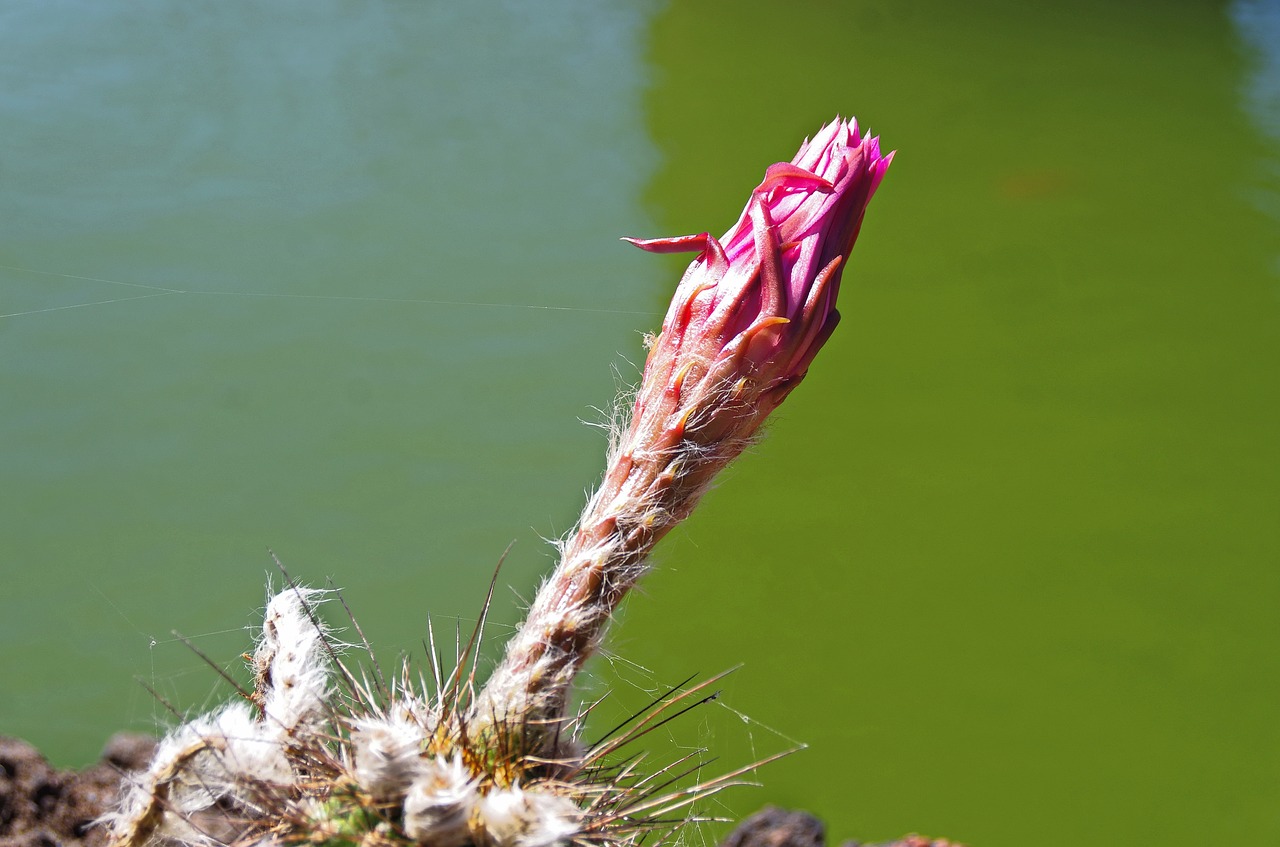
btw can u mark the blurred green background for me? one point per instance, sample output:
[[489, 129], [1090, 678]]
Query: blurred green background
[[341, 280]]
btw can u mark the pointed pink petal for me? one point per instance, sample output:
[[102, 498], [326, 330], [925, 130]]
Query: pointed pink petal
[[678, 244]]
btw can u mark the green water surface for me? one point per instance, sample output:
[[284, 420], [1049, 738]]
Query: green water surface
[[341, 280]]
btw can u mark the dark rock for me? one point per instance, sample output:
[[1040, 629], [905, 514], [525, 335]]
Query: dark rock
[[774, 827]]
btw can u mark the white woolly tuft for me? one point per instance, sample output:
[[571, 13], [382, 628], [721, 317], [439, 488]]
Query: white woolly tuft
[[241, 752], [220, 757], [437, 808], [514, 817], [291, 661], [387, 752]]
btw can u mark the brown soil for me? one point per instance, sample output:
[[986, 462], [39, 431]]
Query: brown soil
[[44, 807]]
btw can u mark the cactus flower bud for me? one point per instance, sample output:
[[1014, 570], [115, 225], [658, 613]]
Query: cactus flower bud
[[748, 317], [755, 307]]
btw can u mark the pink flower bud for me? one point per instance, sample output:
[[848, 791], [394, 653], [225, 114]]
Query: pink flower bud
[[747, 319], [755, 307]]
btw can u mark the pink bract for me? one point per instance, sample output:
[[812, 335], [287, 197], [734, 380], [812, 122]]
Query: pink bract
[[761, 300]]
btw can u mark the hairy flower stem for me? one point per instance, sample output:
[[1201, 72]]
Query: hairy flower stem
[[745, 323], [646, 491]]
